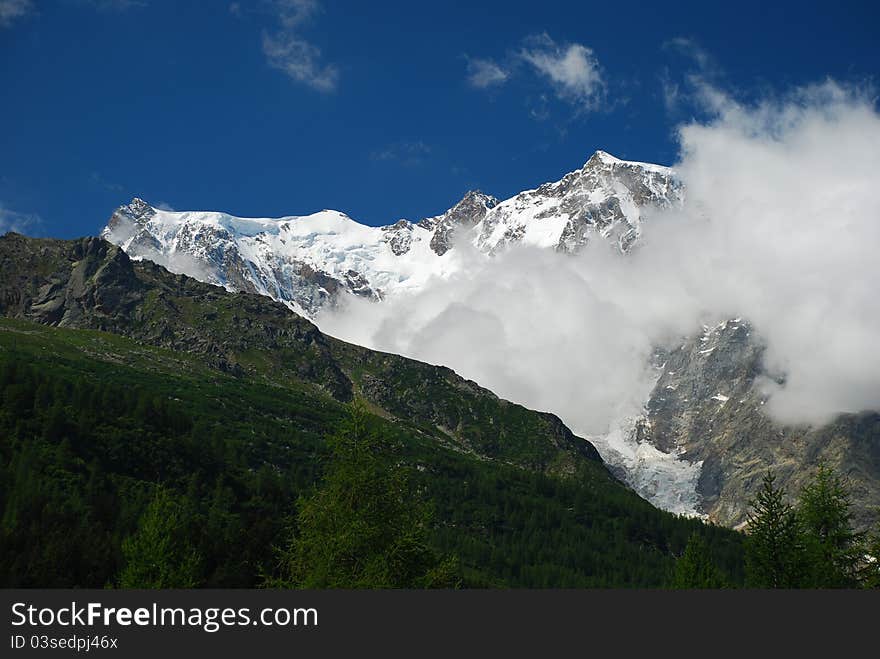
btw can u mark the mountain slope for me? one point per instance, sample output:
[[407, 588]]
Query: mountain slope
[[91, 284], [118, 375]]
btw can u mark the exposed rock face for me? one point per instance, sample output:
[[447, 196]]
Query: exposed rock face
[[464, 215], [128, 225], [708, 406], [605, 198], [399, 236]]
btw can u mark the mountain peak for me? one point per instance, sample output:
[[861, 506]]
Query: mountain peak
[[477, 196], [137, 209], [605, 157], [471, 208], [468, 212]]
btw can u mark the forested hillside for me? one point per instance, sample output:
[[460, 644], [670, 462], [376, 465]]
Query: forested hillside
[[92, 423], [139, 405]]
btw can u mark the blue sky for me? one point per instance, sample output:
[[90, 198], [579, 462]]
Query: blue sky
[[382, 110]]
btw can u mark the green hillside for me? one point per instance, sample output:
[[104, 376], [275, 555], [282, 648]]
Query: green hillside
[[119, 377]]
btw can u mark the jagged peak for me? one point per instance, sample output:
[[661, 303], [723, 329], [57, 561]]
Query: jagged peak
[[136, 212], [477, 197], [402, 223], [137, 208], [603, 158]]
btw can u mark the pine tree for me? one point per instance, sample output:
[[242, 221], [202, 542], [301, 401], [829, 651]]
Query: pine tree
[[363, 528], [834, 551], [159, 554], [774, 552], [695, 568]]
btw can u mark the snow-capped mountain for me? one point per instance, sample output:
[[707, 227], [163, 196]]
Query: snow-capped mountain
[[308, 261]]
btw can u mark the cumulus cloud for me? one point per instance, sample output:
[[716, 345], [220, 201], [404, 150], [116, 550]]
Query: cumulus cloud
[[11, 10], [573, 69], [781, 226], [287, 50], [484, 73]]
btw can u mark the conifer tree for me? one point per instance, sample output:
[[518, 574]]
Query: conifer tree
[[834, 550], [159, 554], [695, 568], [363, 527], [774, 552]]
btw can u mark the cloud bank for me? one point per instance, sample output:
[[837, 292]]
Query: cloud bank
[[781, 226]]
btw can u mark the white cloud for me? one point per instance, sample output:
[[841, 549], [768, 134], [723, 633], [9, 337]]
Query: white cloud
[[573, 69], [287, 50], [790, 189], [11, 10], [483, 73], [781, 226], [15, 221], [528, 324], [300, 60], [698, 82]]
